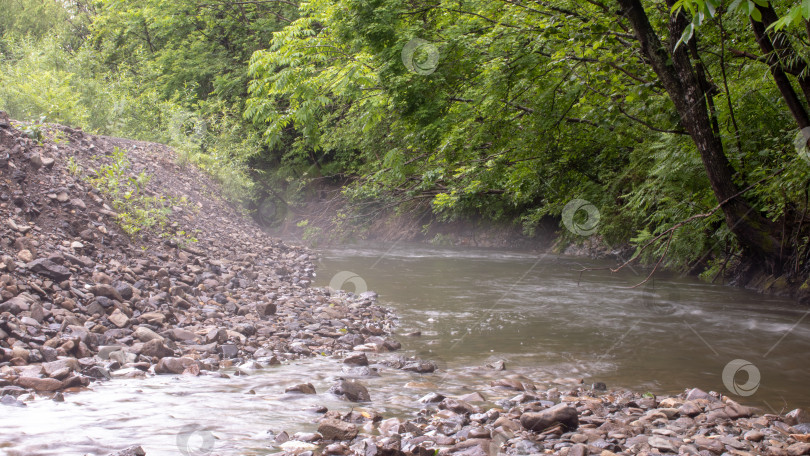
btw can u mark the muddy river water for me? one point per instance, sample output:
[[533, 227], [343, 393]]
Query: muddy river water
[[537, 313]]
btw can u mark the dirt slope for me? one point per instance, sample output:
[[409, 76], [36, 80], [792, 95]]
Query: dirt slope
[[80, 300]]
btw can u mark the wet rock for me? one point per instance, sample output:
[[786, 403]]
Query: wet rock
[[131, 451], [458, 406], [559, 414], [356, 359], [156, 349], [332, 429], [68, 364], [303, 388], [351, 390], [471, 447], [39, 384], [497, 365], [174, 365], [431, 398], [229, 351], [11, 401], [796, 416]]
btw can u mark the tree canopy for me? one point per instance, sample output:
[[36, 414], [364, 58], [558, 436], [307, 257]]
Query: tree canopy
[[655, 112]]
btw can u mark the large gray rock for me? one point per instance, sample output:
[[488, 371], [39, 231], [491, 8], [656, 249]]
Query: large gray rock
[[17, 304], [559, 414], [332, 429], [145, 334], [156, 349], [46, 267], [351, 390], [265, 309]]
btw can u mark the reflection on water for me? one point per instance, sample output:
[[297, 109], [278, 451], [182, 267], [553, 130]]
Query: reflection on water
[[536, 312], [549, 320]]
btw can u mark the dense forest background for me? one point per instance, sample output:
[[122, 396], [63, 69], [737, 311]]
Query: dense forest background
[[680, 123]]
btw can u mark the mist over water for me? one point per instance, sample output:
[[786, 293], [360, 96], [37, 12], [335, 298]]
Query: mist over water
[[548, 320]]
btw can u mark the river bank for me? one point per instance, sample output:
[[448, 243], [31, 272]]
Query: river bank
[[83, 303], [314, 223]]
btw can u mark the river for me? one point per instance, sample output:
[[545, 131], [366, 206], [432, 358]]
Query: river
[[540, 314]]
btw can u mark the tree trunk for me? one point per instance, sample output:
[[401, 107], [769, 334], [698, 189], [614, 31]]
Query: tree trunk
[[792, 100], [756, 235]]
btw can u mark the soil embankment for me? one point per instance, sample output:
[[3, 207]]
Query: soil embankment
[[82, 301]]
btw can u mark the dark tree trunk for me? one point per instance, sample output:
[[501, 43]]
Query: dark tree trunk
[[756, 235], [785, 54], [792, 100]]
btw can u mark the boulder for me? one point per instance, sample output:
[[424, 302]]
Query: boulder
[[173, 365], [145, 334], [47, 268], [559, 414], [156, 349], [265, 309], [351, 390], [118, 318], [332, 429], [107, 291], [356, 359], [39, 384], [303, 388]]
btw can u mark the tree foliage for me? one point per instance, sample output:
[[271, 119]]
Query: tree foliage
[[506, 110]]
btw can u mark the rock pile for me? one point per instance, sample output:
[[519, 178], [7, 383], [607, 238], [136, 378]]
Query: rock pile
[[574, 422], [81, 301]]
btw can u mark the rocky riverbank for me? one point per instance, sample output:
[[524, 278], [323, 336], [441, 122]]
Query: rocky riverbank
[[81, 301], [572, 421]]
